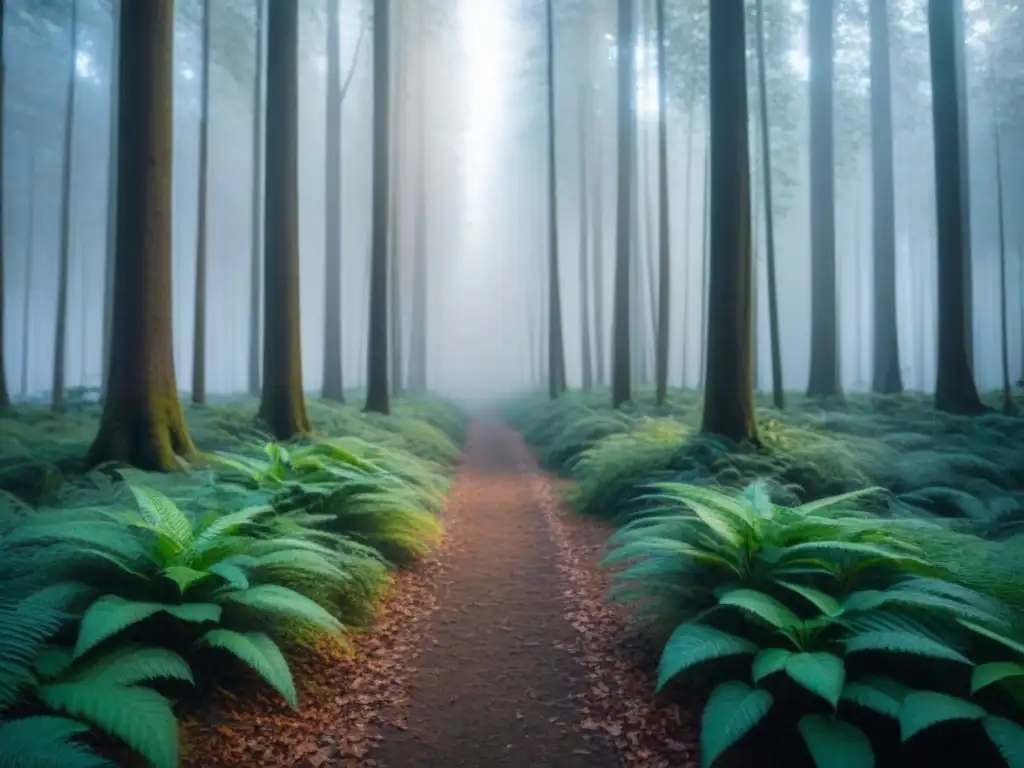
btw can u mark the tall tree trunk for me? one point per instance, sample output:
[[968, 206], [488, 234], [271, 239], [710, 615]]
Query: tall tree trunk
[[61, 329], [886, 378], [142, 422], [650, 266], [729, 391], [5, 397], [255, 259], [395, 251], [378, 392], [960, 55], [778, 392], [556, 349], [824, 380], [282, 401], [664, 247], [26, 324], [333, 386], [418, 332], [110, 251], [598, 261], [955, 390], [585, 360], [1008, 405], [199, 308], [704, 258], [621, 387], [687, 199]]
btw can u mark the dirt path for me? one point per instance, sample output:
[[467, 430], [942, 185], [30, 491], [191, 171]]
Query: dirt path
[[498, 684]]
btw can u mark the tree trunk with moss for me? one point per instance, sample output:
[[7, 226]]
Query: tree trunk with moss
[[199, 308], [282, 401], [142, 422], [955, 389], [59, 383], [621, 358], [378, 392], [729, 390], [824, 378]]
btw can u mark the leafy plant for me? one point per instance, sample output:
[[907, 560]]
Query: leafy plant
[[835, 611]]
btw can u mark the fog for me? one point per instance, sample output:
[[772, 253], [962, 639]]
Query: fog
[[484, 137]]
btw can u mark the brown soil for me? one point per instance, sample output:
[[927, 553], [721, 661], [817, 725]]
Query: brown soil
[[498, 685]]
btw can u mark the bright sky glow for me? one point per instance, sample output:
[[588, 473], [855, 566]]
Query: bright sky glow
[[799, 63]]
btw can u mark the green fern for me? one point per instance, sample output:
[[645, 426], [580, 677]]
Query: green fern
[[261, 654], [45, 741]]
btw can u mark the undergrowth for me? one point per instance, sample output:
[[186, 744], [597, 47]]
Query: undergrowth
[[856, 578], [125, 595]]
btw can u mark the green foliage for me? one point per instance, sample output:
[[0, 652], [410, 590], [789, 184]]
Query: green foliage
[[124, 592], [834, 611]]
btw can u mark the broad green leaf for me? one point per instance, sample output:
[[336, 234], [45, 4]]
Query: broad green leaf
[[693, 644], [277, 600], [769, 661], [902, 641], [994, 672], [162, 512], [824, 602], [1010, 643], [923, 709], [233, 574], [836, 743], [111, 614], [733, 709], [879, 694], [137, 716], [820, 673], [184, 576], [761, 605], [1008, 737], [260, 653], [136, 664], [828, 502]]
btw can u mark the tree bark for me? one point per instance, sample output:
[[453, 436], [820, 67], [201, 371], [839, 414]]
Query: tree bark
[[686, 256], [886, 378], [199, 319], [26, 324], [664, 247], [704, 257], [729, 391], [586, 362], [778, 391], [282, 401], [5, 397], [397, 138], [61, 327], [142, 422], [1004, 332], [333, 386], [955, 389], [556, 350], [256, 260], [378, 392], [824, 380], [597, 263], [418, 332], [111, 231], [621, 374]]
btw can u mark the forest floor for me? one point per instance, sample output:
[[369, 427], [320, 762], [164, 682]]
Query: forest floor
[[498, 650]]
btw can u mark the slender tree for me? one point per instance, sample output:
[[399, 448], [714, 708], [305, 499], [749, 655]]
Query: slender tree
[[395, 251], [5, 397], [686, 228], [61, 327], [824, 378], [282, 401], [778, 392], [142, 422], [955, 390], [556, 348], [1004, 332], [664, 247], [886, 377], [110, 234], [598, 260], [333, 386], [26, 325], [256, 221], [704, 255], [199, 308], [621, 384], [586, 361], [729, 390], [418, 332], [378, 392]]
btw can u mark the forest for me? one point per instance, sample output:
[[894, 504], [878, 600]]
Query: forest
[[396, 383]]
